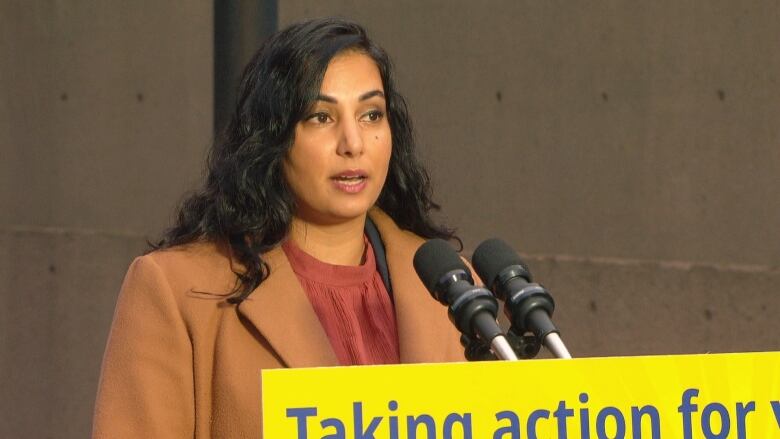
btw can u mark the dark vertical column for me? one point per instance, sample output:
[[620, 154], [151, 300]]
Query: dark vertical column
[[240, 26]]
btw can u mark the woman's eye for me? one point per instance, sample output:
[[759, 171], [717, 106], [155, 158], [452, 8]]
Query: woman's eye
[[374, 115], [319, 117]]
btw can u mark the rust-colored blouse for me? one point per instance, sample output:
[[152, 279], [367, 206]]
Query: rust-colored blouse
[[352, 305]]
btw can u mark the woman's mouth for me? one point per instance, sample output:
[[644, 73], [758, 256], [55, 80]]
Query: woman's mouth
[[350, 182]]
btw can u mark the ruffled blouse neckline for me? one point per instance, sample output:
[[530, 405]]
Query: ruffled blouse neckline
[[311, 268]]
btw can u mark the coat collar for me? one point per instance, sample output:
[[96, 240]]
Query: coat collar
[[282, 313]]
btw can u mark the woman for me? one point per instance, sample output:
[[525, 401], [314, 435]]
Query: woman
[[279, 261]]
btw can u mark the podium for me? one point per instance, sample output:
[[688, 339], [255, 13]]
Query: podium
[[677, 396]]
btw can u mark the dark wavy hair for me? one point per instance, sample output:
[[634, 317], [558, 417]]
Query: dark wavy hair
[[245, 201]]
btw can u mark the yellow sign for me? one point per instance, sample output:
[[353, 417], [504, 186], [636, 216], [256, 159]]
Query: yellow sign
[[716, 396]]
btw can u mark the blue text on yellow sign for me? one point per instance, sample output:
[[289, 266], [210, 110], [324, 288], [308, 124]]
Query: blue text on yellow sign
[[685, 396]]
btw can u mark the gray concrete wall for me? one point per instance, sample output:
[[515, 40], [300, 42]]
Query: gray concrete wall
[[59, 290], [105, 116], [631, 151]]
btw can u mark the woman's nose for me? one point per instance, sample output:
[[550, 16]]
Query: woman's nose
[[350, 139]]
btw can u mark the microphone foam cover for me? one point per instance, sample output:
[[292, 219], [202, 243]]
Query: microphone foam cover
[[491, 257], [433, 260]]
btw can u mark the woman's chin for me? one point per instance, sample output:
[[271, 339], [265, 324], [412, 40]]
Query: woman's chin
[[350, 213], [333, 215], [351, 207]]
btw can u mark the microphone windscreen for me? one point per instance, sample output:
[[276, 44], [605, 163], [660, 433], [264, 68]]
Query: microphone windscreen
[[433, 260], [491, 257]]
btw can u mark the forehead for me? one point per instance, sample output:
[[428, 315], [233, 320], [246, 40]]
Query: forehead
[[351, 71]]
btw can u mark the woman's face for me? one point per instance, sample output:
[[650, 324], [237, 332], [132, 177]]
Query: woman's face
[[338, 162]]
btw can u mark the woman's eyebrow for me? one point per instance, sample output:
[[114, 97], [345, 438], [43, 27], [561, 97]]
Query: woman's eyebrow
[[327, 98], [371, 94], [363, 97]]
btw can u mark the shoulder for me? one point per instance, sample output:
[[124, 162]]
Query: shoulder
[[197, 269], [191, 259]]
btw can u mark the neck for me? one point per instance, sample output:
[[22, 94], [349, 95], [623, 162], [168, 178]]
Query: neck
[[337, 244]]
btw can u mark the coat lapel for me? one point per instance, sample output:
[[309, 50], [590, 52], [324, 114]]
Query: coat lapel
[[281, 311], [425, 333]]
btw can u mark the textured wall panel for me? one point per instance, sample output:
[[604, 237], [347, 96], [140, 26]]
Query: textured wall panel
[[56, 303], [616, 307], [105, 111]]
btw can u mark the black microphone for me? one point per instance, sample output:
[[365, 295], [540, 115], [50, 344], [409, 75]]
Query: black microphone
[[472, 309], [528, 305]]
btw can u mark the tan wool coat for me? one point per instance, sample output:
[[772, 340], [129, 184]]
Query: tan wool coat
[[181, 362]]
